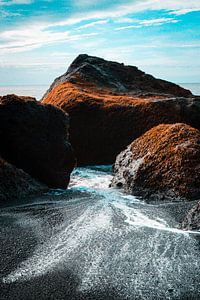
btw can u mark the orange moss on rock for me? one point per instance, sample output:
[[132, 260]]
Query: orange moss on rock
[[110, 104], [67, 94], [164, 163], [102, 124]]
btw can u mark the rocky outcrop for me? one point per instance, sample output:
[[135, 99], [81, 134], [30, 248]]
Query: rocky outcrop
[[116, 77], [34, 138], [111, 104], [16, 184], [192, 219], [163, 164]]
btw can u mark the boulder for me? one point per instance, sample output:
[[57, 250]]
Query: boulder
[[162, 164], [192, 218], [34, 138], [16, 184], [90, 71], [111, 104]]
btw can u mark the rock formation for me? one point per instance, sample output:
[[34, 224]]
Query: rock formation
[[15, 184], [192, 218], [162, 164], [34, 138], [111, 104], [116, 77]]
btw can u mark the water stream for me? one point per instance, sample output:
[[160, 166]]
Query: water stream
[[108, 240]]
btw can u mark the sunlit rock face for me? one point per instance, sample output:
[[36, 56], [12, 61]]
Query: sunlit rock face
[[16, 184], [163, 164], [192, 219], [34, 138], [116, 77], [111, 104]]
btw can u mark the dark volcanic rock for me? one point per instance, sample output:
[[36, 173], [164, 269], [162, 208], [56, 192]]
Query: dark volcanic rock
[[16, 184], [111, 104], [163, 164], [116, 77], [34, 137], [192, 219]]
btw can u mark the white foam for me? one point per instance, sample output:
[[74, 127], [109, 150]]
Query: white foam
[[62, 245], [109, 241], [135, 218]]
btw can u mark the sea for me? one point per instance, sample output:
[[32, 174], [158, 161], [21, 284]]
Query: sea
[[38, 91]]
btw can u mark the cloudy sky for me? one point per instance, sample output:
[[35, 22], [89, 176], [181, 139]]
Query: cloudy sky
[[39, 39]]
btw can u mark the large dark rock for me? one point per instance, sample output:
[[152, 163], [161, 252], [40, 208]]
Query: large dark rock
[[111, 104], [116, 77], [15, 184], [34, 138], [192, 218], [162, 164]]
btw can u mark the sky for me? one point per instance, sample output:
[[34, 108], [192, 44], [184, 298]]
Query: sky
[[39, 39]]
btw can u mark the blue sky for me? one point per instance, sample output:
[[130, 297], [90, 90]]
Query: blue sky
[[39, 39]]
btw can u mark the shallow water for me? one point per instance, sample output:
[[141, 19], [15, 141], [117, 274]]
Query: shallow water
[[94, 242]]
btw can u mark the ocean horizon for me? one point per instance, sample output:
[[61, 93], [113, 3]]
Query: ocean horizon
[[38, 91]]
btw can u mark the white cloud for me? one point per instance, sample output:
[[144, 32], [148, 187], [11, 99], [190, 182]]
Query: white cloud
[[128, 27], [34, 36], [37, 35], [121, 11], [159, 21], [124, 20], [169, 5], [16, 2], [151, 22], [100, 22], [179, 6], [184, 11]]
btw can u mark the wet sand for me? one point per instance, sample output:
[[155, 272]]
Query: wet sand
[[92, 242]]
